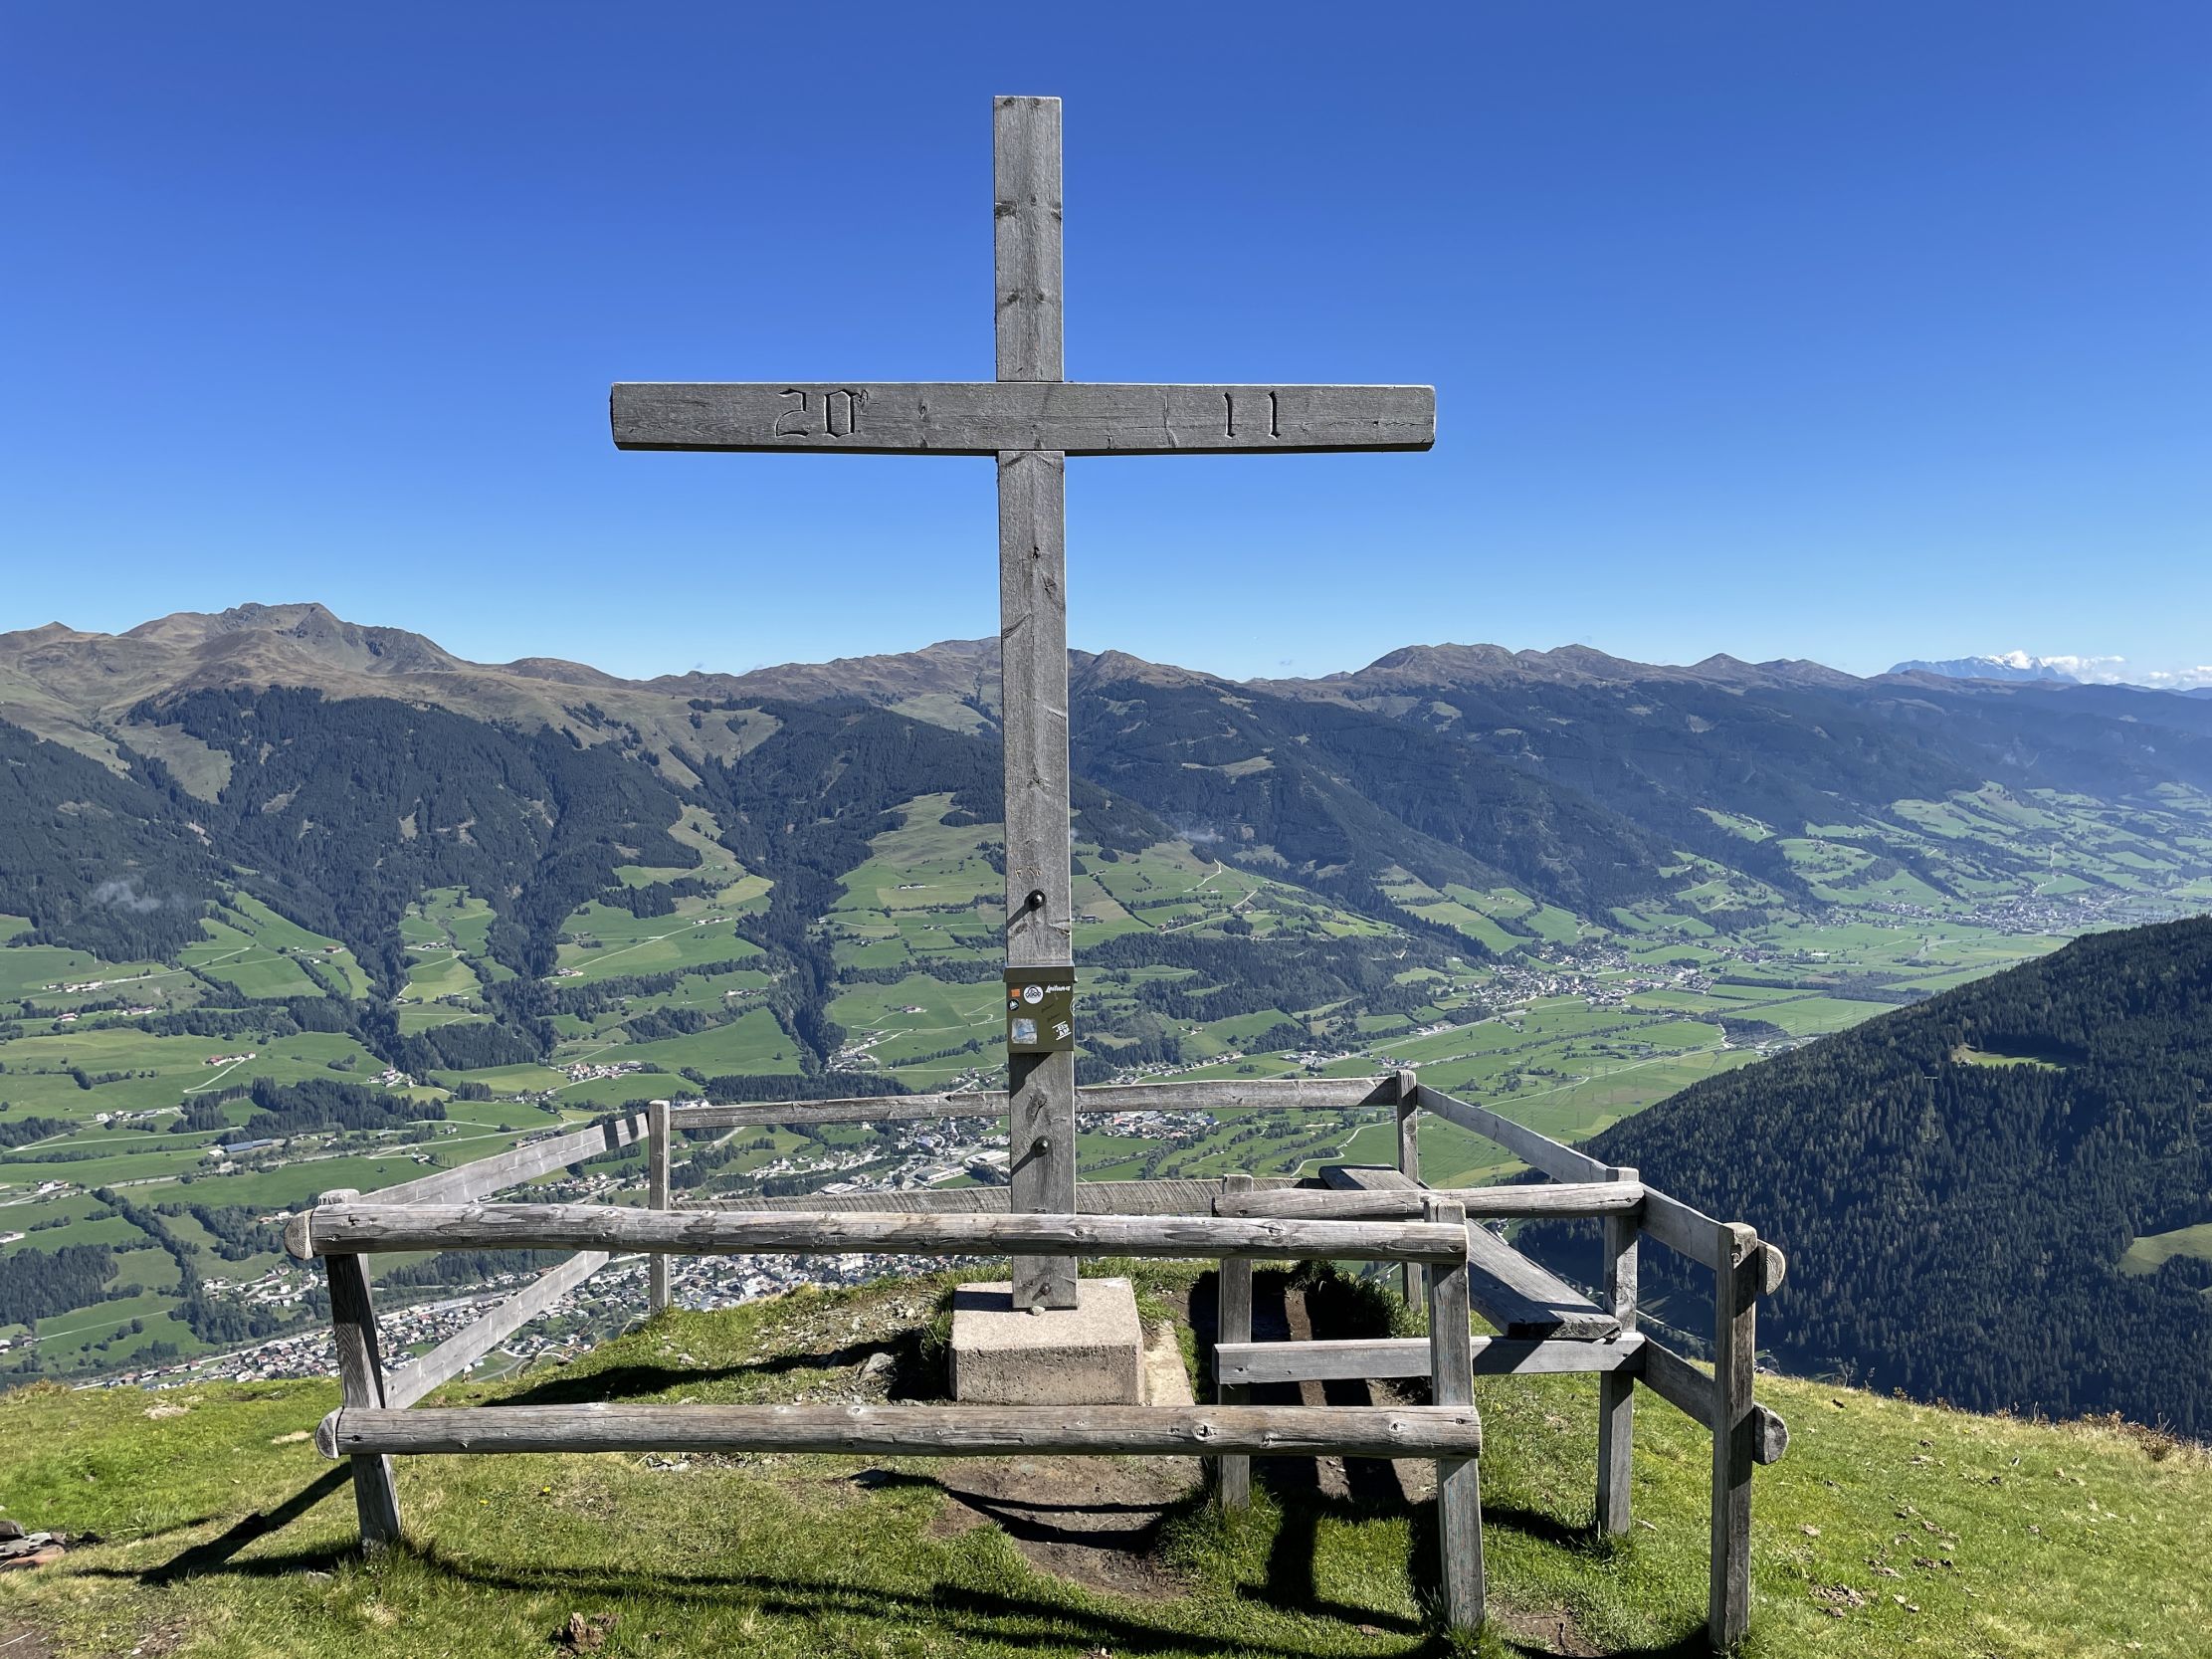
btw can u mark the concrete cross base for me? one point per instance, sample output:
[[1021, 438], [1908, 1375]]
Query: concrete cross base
[[1090, 1354]]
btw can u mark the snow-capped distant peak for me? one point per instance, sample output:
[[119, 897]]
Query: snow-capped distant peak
[[2010, 664]]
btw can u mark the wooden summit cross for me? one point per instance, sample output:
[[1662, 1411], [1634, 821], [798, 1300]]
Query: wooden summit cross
[[1032, 420]]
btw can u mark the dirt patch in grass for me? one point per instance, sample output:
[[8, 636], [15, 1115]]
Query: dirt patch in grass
[[1552, 1630], [1093, 1521]]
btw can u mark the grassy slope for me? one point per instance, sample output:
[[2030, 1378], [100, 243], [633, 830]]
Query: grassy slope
[[226, 1534]]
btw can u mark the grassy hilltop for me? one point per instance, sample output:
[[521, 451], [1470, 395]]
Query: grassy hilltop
[[1890, 1528]]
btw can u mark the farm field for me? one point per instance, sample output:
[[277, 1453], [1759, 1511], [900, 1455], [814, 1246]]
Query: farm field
[[1566, 1023]]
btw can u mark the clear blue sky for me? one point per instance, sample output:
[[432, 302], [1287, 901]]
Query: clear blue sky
[[1852, 329]]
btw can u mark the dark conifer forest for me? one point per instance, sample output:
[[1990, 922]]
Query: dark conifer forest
[[1955, 1186]]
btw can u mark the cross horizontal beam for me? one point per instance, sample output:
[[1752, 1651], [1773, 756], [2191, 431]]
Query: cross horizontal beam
[[994, 417]]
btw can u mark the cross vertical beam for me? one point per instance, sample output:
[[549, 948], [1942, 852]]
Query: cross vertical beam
[[1033, 668]]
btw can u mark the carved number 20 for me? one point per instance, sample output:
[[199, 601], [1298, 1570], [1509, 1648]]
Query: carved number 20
[[840, 413]]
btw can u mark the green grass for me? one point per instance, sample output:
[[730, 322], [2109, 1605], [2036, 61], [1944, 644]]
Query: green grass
[[223, 1533], [1967, 1055], [2152, 1252]]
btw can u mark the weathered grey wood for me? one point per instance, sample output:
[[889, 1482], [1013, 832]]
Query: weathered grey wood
[[864, 1109], [349, 1228], [1287, 1094], [411, 1381], [516, 1165], [1735, 1436], [1413, 1285], [361, 1386], [1029, 420], [1459, 1491], [1025, 254], [1769, 1435], [1617, 1389], [1372, 1177], [1689, 1390], [1702, 1239], [1172, 1196], [1552, 1198], [1033, 659], [1677, 1381], [917, 1430], [1539, 1151], [983, 417], [1514, 1294], [1773, 1268], [657, 1196], [1524, 1300], [1680, 1228], [1248, 1364], [1232, 1326]]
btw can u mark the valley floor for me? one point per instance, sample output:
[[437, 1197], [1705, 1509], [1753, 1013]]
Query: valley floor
[[1890, 1528]]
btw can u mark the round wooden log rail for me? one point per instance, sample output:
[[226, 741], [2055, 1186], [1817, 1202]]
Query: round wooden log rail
[[350, 1229], [1567, 1200], [1424, 1431]]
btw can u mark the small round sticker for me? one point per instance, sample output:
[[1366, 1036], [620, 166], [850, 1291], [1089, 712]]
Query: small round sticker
[[1033, 994]]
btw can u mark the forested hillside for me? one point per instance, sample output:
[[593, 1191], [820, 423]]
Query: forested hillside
[[288, 903], [1987, 1198]]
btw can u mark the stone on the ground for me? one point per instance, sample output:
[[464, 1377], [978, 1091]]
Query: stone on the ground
[[20, 1550], [1088, 1355], [1166, 1377]]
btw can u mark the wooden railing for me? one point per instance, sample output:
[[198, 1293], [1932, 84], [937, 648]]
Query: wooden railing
[[1448, 1259]]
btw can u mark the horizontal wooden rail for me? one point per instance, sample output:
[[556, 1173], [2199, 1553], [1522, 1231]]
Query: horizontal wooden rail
[[407, 1385], [1539, 1151], [1340, 1361], [915, 1430], [1702, 1239], [1558, 1200], [517, 1164], [1224, 1094], [1691, 1392], [1199, 1095], [1167, 1196], [360, 1228], [858, 1109]]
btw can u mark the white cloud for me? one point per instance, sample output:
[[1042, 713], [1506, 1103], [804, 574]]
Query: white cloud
[[2112, 671]]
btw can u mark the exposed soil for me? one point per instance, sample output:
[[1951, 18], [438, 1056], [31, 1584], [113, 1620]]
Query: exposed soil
[[1091, 1520], [1552, 1630], [1097, 1520]]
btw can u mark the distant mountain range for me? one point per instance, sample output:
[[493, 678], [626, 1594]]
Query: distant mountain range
[[2001, 1197], [310, 860], [1414, 792]]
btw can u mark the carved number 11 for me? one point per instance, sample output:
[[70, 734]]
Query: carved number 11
[[1274, 428]]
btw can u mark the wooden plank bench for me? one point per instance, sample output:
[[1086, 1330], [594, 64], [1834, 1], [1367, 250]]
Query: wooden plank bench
[[1523, 1301]]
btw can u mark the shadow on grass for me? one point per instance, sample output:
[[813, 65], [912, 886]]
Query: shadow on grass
[[1009, 1619], [641, 1381], [217, 1554], [1034, 1521]]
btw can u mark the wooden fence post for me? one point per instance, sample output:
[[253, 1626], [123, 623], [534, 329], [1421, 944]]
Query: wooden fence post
[[657, 1196], [1233, 1324], [1459, 1489], [1617, 1389], [1414, 1281], [361, 1383], [1736, 1281]]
